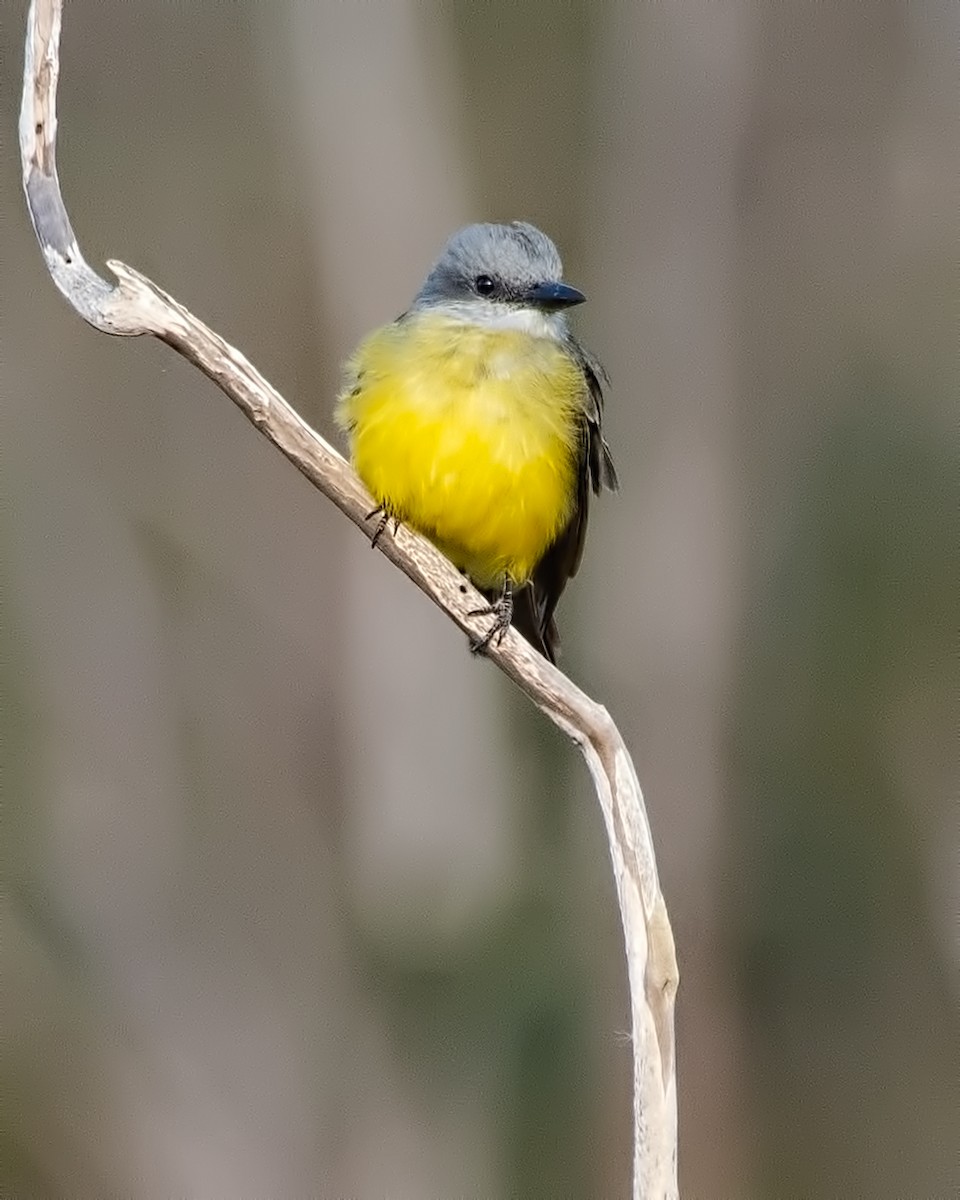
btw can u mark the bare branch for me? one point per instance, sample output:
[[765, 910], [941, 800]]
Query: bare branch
[[135, 305]]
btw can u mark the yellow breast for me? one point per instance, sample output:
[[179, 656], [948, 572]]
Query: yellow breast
[[469, 434]]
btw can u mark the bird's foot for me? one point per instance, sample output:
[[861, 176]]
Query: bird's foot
[[385, 518], [502, 610]]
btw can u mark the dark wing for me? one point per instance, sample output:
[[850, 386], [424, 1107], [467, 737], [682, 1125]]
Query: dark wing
[[535, 604]]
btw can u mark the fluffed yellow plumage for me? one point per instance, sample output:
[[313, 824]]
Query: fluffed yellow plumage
[[470, 435]]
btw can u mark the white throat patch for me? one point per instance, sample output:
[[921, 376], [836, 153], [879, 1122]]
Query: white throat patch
[[534, 321]]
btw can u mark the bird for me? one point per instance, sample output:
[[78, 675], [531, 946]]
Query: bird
[[475, 418]]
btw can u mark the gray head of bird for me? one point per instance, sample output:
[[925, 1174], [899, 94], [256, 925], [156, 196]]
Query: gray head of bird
[[487, 272]]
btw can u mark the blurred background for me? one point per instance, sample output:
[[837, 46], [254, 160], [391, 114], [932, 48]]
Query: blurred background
[[301, 900]]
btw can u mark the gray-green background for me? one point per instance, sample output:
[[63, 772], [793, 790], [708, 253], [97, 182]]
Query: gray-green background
[[299, 899]]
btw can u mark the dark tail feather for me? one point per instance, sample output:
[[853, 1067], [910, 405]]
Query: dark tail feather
[[542, 635]]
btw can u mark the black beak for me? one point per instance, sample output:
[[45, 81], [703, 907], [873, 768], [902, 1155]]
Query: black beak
[[555, 295]]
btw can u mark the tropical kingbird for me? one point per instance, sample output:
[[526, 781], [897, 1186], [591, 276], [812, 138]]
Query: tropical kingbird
[[475, 418]]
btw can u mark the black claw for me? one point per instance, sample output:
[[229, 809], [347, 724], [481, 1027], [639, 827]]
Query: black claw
[[502, 610], [385, 519]]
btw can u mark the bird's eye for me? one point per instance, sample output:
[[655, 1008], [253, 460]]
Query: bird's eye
[[484, 285]]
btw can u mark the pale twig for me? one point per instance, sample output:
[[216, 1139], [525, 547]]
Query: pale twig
[[135, 305]]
